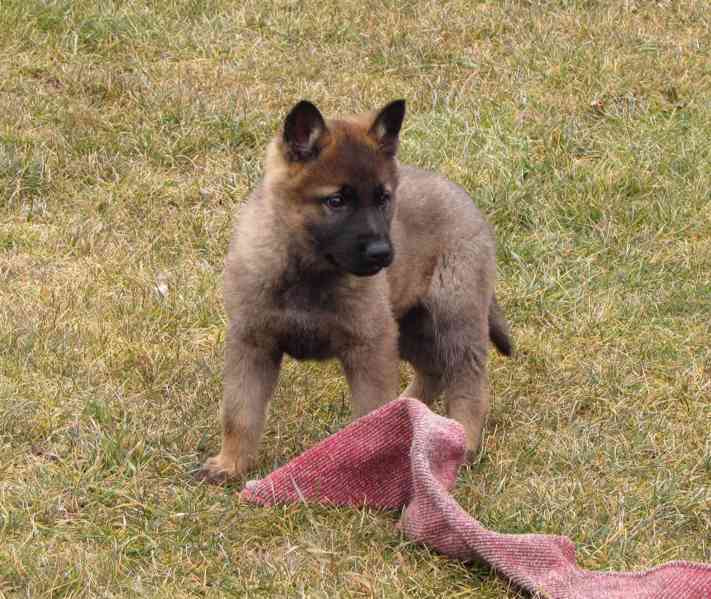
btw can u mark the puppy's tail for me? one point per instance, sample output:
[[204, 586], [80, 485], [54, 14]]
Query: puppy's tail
[[499, 329]]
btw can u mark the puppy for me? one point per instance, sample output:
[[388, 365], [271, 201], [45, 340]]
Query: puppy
[[342, 252]]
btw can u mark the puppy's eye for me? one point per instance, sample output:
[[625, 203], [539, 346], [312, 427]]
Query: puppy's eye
[[335, 202], [383, 198]]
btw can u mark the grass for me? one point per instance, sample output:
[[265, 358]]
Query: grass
[[130, 132]]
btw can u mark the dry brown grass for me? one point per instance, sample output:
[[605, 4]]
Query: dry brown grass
[[129, 133]]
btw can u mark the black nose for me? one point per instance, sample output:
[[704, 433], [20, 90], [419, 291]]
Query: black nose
[[378, 252]]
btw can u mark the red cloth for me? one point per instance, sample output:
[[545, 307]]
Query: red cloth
[[404, 455]]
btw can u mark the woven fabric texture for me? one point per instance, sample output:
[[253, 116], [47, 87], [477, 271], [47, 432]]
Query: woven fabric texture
[[404, 455]]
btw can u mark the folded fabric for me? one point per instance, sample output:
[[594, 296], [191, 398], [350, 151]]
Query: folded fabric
[[405, 455]]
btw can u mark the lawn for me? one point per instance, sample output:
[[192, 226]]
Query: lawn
[[129, 134]]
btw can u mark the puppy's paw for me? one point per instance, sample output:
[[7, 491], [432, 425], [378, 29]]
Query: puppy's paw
[[218, 470], [473, 456]]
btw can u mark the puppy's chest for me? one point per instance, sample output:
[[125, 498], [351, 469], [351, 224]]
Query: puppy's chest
[[308, 326], [305, 299], [307, 341]]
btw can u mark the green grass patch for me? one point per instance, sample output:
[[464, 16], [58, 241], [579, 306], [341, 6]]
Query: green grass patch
[[129, 135]]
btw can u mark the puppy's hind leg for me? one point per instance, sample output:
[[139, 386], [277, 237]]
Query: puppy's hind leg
[[463, 351], [467, 394]]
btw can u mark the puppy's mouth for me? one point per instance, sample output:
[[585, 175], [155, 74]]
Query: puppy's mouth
[[359, 271], [367, 271]]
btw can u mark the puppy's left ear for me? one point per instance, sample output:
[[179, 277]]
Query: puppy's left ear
[[386, 127]]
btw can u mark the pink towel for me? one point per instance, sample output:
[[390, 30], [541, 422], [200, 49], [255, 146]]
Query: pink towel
[[404, 455]]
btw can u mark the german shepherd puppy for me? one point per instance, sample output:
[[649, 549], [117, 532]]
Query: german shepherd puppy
[[342, 252]]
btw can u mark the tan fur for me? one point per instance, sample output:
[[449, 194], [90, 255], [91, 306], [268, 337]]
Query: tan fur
[[437, 295]]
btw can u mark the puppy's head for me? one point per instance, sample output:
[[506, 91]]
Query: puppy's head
[[334, 183]]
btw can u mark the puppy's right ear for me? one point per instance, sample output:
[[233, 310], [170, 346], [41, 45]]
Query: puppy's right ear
[[386, 127], [304, 129]]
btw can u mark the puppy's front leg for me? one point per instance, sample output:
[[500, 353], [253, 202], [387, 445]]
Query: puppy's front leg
[[251, 374], [372, 372]]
